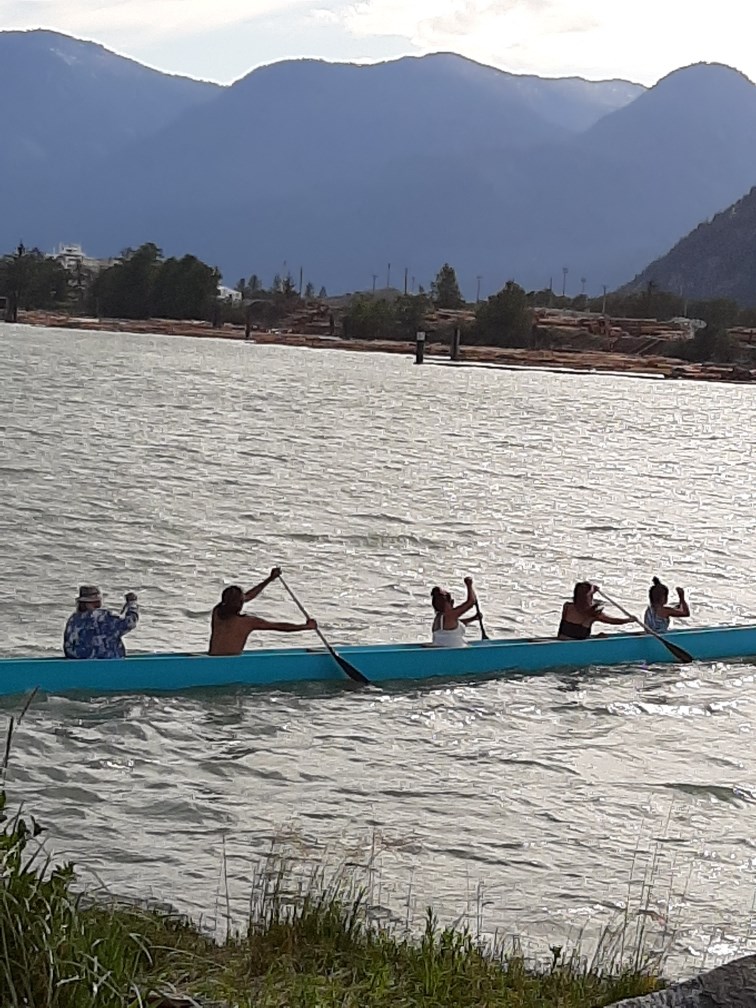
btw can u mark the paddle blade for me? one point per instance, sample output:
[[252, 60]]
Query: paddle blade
[[678, 652], [346, 668], [350, 670]]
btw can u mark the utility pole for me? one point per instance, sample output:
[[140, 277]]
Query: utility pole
[[551, 291], [300, 280], [413, 285], [388, 276], [406, 271], [477, 291], [583, 282], [375, 277], [565, 271], [603, 303]]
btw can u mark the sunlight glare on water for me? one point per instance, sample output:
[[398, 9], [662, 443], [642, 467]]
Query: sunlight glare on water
[[173, 466]]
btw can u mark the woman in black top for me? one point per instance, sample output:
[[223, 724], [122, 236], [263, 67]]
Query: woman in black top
[[579, 615]]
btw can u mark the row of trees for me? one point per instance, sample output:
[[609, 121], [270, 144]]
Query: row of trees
[[505, 319], [144, 284], [141, 284], [28, 279], [282, 285]]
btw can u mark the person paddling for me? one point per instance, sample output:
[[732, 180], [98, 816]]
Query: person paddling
[[230, 627], [94, 632], [658, 613], [579, 615], [448, 625]]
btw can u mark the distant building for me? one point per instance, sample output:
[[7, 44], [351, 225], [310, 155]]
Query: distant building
[[229, 294], [74, 259]]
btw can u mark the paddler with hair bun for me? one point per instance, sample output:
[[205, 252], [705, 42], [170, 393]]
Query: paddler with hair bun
[[658, 613]]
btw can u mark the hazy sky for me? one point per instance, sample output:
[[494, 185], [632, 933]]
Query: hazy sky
[[222, 39]]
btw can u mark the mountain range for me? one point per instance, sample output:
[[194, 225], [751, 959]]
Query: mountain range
[[342, 169]]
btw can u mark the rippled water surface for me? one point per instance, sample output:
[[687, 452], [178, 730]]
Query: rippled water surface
[[539, 805]]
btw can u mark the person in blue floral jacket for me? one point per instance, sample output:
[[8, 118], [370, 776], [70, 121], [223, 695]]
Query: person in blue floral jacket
[[94, 632]]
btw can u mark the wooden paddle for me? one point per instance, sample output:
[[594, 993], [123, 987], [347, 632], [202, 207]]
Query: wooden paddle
[[479, 615], [343, 664], [678, 652]]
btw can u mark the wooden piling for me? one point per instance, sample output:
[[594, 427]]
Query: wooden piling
[[454, 345], [419, 347]]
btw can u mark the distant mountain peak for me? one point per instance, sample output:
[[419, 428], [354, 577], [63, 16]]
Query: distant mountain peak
[[342, 168], [73, 51], [708, 71]]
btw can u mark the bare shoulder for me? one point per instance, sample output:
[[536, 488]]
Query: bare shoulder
[[250, 622]]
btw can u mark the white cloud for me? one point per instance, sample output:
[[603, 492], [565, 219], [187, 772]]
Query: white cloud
[[325, 16], [638, 39], [108, 19]]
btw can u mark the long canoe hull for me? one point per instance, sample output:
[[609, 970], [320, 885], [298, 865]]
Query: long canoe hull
[[380, 663]]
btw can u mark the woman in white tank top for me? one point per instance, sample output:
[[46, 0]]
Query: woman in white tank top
[[448, 626]]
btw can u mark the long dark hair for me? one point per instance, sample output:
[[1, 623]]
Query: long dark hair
[[230, 605], [580, 596], [658, 593]]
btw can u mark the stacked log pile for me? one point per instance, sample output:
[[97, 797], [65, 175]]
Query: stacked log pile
[[567, 357]]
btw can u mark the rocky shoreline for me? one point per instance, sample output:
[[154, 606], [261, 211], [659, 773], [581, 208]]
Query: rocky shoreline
[[730, 986], [565, 360]]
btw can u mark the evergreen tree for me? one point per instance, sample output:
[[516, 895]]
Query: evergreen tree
[[143, 285], [125, 290], [445, 289], [505, 319], [29, 279], [254, 286], [410, 311], [309, 291], [323, 293], [277, 285], [184, 288], [380, 318]]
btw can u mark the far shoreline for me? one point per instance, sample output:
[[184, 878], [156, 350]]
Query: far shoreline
[[560, 361]]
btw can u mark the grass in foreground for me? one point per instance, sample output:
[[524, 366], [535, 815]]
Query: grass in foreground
[[308, 943], [315, 947]]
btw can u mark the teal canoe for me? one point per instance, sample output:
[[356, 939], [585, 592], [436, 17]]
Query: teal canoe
[[380, 663]]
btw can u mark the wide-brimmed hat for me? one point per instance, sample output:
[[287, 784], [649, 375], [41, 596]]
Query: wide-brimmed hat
[[89, 593]]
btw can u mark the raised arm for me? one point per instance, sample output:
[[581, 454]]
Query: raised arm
[[254, 592], [128, 618], [469, 602], [681, 610], [255, 623]]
